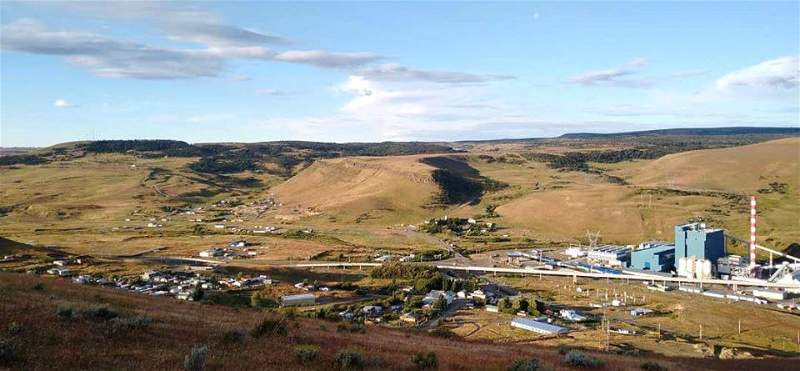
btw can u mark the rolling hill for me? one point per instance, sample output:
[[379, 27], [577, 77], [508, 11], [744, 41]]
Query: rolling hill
[[713, 185]]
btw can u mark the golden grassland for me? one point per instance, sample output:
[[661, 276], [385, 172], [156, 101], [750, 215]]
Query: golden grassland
[[90, 344], [366, 203]]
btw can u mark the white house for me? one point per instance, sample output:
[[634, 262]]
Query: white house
[[571, 315]]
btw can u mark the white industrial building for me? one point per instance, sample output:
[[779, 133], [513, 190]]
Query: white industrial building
[[301, 299], [612, 255], [538, 327]]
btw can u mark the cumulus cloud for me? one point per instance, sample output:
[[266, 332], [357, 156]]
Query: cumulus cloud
[[396, 72], [60, 103], [613, 77], [780, 73]]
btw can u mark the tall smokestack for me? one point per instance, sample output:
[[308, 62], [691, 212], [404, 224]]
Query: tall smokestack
[[752, 231]]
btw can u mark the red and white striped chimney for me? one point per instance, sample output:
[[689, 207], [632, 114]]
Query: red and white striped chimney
[[752, 231]]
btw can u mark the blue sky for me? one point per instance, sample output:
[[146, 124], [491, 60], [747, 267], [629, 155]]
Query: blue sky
[[258, 71]]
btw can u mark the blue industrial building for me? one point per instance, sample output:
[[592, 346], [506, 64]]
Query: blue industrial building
[[694, 239], [656, 257]]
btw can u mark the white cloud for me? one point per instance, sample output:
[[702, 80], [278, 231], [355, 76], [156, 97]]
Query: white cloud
[[613, 77], [60, 103], [396, 72], [122, 59], [323, 58], [780, 73], [535, 16]]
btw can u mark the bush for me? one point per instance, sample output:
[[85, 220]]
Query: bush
[[38, 287], [443, 332], [425, 360], [349, 360], [306, 353], [525, 365], [102, 312], [197, 294], [196, 359], [652, 366], [578, 359], [262, 299], [121, 324], [270, 326], [8, 352], [66, 311], [350, 327], [232, 336], [15, 328]]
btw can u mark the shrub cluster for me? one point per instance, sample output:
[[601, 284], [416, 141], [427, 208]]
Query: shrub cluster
[[270, 326], [349, 360], [653, 366], [531, 364], [66, 311], [306, 353], [350, 327], [122, 324], [8, 352], [577, 358], [196, 359], [425, 361], [232, 336]]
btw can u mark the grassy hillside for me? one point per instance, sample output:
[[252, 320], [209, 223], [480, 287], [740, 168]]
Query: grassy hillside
[[713, 185], [157, 333], [551, 192], [350, 187]]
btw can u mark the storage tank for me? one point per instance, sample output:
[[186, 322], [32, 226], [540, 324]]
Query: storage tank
[[703, 269]]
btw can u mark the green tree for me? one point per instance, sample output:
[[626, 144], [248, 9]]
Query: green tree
[[439, 304], [197, 293], [521, 305], [504, 305]]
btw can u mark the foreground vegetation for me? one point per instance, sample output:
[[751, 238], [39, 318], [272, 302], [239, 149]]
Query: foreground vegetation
[[161, 333]]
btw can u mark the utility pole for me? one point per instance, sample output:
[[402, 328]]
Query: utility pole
[[740, 327], [659, 330]]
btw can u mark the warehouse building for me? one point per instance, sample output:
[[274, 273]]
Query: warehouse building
[[536, 326], [612, 255], [301, 299], [654, 256]]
